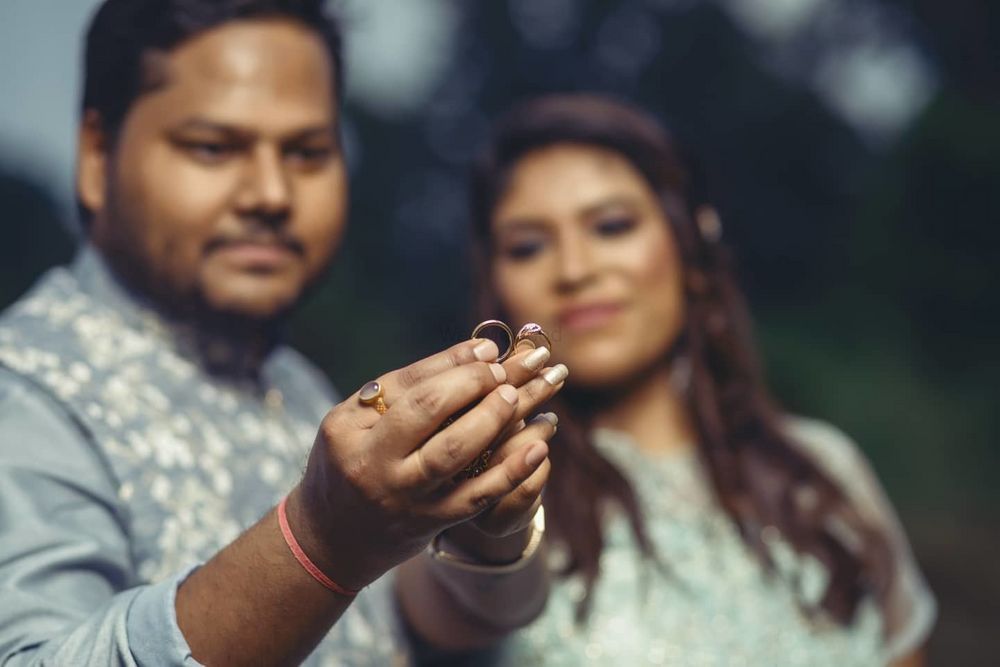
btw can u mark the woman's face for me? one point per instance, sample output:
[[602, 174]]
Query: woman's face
[[582, 247]]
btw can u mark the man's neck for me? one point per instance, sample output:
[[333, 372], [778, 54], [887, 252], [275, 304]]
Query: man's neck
[[230, 344], [223, 344]]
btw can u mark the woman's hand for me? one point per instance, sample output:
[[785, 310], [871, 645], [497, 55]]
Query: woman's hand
[[498, 534], [378, 488]]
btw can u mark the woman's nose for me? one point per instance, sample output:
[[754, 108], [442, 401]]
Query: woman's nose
[[575, 263]]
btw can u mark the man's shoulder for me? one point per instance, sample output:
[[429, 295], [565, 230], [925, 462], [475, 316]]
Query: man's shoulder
[[46, 325], [57, 287], [34, 426]]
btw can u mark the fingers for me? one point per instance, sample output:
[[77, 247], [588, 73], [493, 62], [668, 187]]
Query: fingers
[[539, 427], [525, 365], [511, 476], [399, 381], [419, 412], [514, 511], [537, 391], [452, 449]]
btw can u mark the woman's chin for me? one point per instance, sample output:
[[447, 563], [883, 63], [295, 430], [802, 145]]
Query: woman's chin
[[609, 364], [597, 373]]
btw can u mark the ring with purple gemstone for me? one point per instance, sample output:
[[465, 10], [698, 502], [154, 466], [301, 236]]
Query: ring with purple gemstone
[[534, 334], [371, 394]]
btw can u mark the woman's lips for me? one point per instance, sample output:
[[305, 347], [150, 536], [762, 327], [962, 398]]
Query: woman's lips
[[584, 318]]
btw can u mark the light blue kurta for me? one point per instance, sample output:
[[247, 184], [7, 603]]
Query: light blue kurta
[[132, 450]]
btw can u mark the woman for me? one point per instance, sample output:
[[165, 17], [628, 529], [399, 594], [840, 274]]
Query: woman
[[693, 521]]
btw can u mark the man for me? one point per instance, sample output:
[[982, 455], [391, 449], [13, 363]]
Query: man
[[149, 415]]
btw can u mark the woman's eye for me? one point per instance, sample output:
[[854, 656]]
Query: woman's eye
[[522, 250], [615, 226]]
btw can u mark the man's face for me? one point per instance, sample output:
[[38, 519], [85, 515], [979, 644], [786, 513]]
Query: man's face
[[225, 191]]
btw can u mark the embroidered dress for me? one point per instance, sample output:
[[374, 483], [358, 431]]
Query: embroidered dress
[[132, 450], [716, 605]]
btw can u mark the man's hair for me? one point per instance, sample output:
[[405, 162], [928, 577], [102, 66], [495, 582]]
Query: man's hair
[[126, 35]]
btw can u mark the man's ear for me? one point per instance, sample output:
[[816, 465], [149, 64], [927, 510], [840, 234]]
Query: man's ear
[[92, 156]]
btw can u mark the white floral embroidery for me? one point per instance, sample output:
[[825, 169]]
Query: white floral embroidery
[[197, 460], [714, 604]]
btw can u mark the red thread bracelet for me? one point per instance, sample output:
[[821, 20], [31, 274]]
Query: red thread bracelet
[[303, 559]]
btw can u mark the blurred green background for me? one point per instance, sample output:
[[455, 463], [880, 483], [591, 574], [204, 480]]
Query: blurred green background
[[852, 147]]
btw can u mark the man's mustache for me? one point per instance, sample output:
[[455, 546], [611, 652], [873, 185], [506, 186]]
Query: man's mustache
[[257, 238]]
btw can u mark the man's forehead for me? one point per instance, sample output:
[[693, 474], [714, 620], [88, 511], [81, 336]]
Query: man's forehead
[[248, 69]]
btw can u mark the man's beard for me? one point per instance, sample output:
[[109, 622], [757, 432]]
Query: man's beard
[[186, 302]]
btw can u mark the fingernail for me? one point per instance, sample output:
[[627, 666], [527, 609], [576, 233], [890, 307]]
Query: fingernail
[[536, 455], [536, 358], [486, 351], [549, 417], [508, 393], [556, 374], [499, 374]]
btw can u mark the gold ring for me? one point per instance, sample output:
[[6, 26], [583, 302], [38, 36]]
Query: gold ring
[[371, 394], [477, 467], [530, 331], [502, 326]]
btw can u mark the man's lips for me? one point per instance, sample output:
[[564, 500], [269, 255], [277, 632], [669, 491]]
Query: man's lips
[[256, 253], [589, 316]]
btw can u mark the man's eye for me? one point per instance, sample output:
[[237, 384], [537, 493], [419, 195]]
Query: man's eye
[[310, 154], [207, 151], [615, 226]]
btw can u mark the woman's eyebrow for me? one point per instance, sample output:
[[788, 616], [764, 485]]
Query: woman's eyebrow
[[521, 224], [614, 202]]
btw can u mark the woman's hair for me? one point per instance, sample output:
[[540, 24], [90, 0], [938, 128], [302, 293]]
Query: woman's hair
[[760, 477]]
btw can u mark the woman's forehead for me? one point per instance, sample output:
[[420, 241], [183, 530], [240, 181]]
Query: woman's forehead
[[569, 180]]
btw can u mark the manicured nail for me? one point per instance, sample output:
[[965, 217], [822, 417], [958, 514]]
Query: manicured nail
[[536, 455], [556, 374], [548, 417], [536, 358], [487, 350], [499, 374], [508, 393]]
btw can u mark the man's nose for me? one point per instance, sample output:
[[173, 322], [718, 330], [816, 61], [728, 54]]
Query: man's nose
[[266, 191]]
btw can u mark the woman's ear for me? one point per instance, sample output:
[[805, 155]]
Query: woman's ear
[[92, 156]]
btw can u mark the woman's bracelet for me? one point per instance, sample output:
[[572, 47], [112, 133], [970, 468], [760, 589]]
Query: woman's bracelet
[[537, 528]]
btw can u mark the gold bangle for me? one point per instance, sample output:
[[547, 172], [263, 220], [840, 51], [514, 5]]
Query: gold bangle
[[537, 527]]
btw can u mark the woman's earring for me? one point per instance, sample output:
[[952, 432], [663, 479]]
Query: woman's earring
[[680, 373], [709, 223]]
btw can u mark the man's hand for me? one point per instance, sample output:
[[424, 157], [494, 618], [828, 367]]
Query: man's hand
[[378, 488]]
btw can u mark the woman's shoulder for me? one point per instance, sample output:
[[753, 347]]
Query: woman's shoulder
[[911, 609], [836, 453], [822, 440]]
